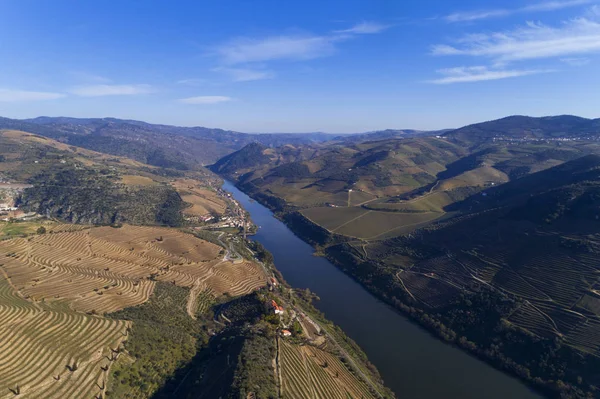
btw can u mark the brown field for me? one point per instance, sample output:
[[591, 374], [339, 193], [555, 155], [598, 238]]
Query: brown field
[[39, 341], [21, 137], [106, 269], [203, 200], [48, 281], [308, 372], [136, 180]]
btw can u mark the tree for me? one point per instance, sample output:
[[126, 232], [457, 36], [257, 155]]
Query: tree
[[41, 230]]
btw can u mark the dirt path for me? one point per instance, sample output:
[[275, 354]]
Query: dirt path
[[192, 303], [277, 365]]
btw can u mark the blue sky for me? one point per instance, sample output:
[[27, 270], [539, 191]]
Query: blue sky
[[299, 66]]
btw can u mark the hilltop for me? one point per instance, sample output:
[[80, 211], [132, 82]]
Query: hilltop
[[519, 127], [158, 145]]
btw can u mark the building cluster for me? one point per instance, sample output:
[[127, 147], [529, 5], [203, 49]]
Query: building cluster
[[229, 221], [544, 139], [276, 308], [9, 193]]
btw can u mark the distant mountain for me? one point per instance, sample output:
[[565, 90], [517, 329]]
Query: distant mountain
[[388, 134], [525, 127], [159, 145], [250, 156]]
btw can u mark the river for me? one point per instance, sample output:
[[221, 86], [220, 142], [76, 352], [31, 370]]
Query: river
[[412, 362]]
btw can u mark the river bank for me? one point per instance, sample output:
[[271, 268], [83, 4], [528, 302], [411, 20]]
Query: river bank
[[408, 357]]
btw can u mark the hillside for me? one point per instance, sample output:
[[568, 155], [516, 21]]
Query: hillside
[[513, 277], [133, 311], [159, 145], [492, 248], [374, 190], [526, 128], [83, 186]]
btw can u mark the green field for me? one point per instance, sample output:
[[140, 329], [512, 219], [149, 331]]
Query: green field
[[368, 224], [380, 225], [333, 218]]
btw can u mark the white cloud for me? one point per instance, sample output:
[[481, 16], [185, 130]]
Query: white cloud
[[365, 28], [290, 47], [245, 74], [575, 62], [484, 14], [594, 11], [534, 41], [246, 50], [8, 95], [205, 100], [110, 90], [480, 73]]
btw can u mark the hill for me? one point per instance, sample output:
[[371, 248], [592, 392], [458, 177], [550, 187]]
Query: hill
[[159, 145], [375, 190], [79, 185], [513, 277], [526, 128], [493, 247], [134, 311], [389, 134]]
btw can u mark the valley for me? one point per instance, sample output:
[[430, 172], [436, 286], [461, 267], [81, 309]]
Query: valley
[[493, 249], [485, 239], [133, 297]]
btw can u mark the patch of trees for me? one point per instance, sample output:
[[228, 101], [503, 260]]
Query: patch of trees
[[475, 322], [249, 156], [88, 195], [254, 372], [163, 339], [294, 170]]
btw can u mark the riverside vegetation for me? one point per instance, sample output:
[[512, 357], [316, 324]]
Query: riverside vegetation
[[487, 235], [122, 304]]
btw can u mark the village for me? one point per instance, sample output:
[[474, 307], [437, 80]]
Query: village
[[9, 195]]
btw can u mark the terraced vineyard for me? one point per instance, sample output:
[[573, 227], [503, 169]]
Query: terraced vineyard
[[54, 288], [102, 270], [309, 372], [48, 351]]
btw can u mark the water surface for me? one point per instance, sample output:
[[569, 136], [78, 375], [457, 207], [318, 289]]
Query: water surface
[[413, 363]]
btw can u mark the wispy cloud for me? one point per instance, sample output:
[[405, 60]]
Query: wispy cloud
[[365, 28], [534, 41], [9, 95], [575, 62], [290, 47], [192, 82], [245, 74], [480, 73], [503, 12], [111, 90], [242, 51], [205, 100], [86, 77]]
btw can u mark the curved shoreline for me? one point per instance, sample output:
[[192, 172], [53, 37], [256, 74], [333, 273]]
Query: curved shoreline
[[365, 341]]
